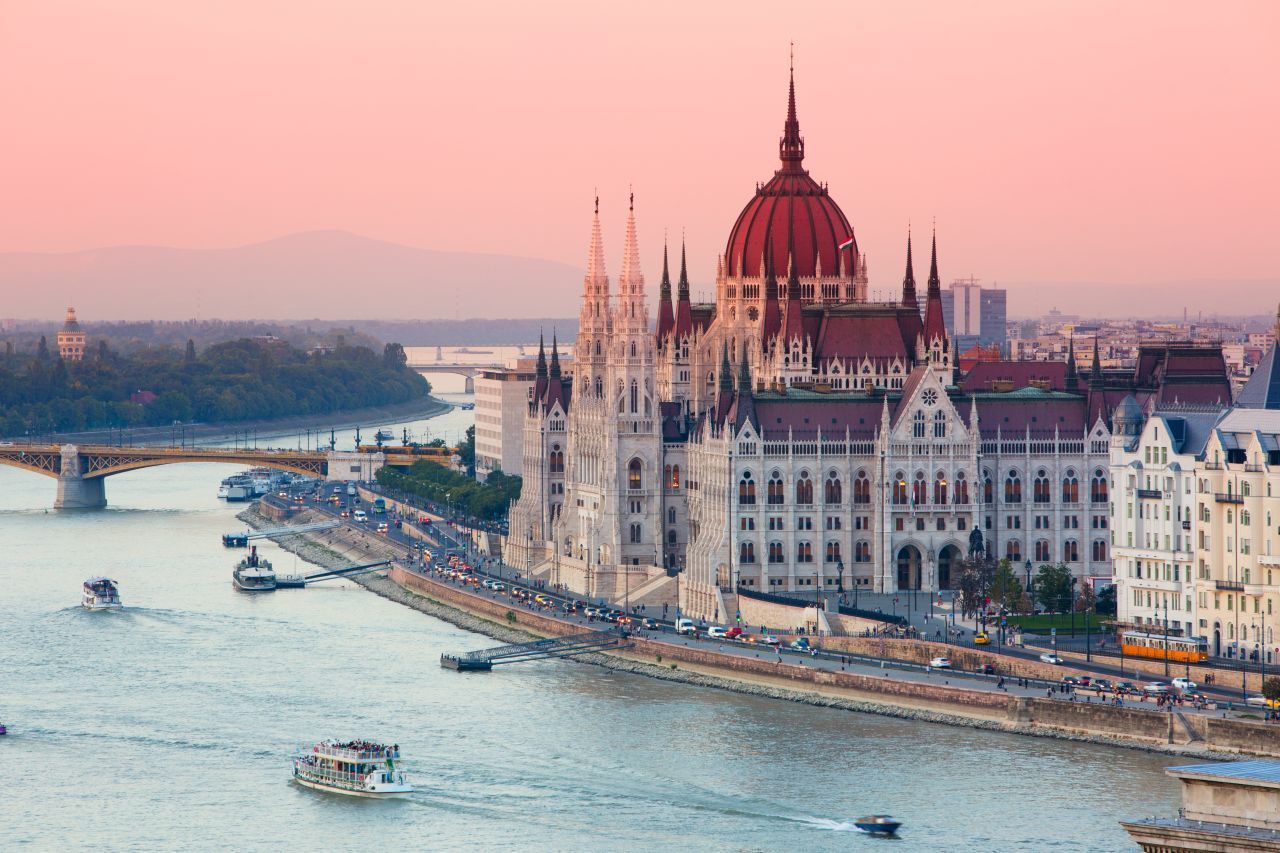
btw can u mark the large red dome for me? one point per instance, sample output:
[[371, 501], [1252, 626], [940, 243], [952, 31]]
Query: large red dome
[[791, 200]]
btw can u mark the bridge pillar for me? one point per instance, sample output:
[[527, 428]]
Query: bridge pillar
[[469, 386], [75, 491]]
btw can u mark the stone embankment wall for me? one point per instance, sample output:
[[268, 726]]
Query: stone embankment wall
[[923, 651], [1143, 667]]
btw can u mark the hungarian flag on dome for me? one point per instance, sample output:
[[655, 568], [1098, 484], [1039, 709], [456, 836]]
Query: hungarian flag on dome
[[847, 244]]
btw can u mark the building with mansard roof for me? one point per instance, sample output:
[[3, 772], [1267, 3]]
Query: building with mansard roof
[[793, 437]]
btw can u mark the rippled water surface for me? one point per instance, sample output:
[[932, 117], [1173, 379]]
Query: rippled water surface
[[169, 725]]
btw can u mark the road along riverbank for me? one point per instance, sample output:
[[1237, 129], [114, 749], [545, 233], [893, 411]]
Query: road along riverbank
[[212, 433], [1198, 735]]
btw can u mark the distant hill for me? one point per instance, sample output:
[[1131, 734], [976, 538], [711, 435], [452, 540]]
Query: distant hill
[[332, 275]]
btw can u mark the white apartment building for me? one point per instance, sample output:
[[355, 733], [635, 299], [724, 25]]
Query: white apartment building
[[502, 399]]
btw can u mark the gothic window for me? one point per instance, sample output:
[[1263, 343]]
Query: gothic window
[[1070, 551], [1099, 550], [597, 346], [804, 489], [746, 490], [599, 387], [775, 552], [633, 349], [1070, 488], [862, 489], [939, 424], [862, 552], [899, 488], [671, 515], [930, 397], [804, 552], [833, 493], [747, 552], [555, 460], [635, 480], [775, 489], [988, 488], [1013, 488], [666, 476], [1040, 488], [917, 425], [919, 490], [671, 538], [635, 397], [1013, 550], [1042, 553], [1098, 487], [962, 488], [673, 482], [635, 534], [833, 552]]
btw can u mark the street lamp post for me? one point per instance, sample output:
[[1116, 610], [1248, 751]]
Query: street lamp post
[[1166, 636]]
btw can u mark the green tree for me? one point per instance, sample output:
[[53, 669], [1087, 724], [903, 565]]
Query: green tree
[[1105, 604], [1006, 589], [191, 351], [973, 581], [1052, 587], [393, 356], [1271, 688], [42, 349], [467, 450]]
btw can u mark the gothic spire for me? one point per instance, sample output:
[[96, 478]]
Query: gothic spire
[[1095, 374], [684, 308], [935, 325], [791, 146], [726, 376], [666, 314], [555, 357], [772, 322], [909, 280], [744, 372], [541, 371], [794, 326]]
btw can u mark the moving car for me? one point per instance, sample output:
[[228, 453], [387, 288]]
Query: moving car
[[981, 639], [685, 626], [1186, 685], [715, 632], [1076, 680], [734, 633], [1154, 688], [1102, 685], [800, 644], [648, 625], [940, 663], [1049, 657]]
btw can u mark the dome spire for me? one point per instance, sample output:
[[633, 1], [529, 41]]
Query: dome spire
[[909, 280], [791, 146]]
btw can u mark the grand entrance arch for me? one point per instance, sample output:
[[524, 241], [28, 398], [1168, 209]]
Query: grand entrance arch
[[909, 567], [948, 559]]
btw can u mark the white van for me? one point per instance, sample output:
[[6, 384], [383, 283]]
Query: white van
[[359, 516], [685, 626]]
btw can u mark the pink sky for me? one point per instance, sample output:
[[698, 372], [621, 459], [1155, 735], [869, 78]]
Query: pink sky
[[1131, 142]]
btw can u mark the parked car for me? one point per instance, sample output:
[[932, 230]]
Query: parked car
[[1049, 657], [715, 632], [940, 663], [1186, 685]]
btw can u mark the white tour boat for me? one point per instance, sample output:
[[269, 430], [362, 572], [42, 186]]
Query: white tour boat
[[359, 768], [101, 594], [254, 573]]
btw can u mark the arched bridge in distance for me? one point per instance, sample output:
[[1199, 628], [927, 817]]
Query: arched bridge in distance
[[468, 372], [81, 470]]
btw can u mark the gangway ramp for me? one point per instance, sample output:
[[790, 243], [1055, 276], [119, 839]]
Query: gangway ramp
[[297, 581], [241, 540], [557, 647]]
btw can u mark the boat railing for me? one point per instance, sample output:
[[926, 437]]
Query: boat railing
[[354, 754], [379, 774]]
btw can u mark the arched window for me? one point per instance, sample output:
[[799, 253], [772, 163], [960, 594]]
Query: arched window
[[833, 552], [635, 397], [862, 552], [633, 349], [919, 490], [899, 488], [1070, 488], [555, 460], [1040, 488], [832, 493], [1042, 553], [634, 479], [804, 552], [1012, 488], [862, 489], [673, 479], [746, 490], [671, 515], [1099, 550], [747, 552], [804, 489], [775, 552], [666, 476], [635, 534], [940, 488], [939, 424], [1098, 487], [1070, 551], [1013, 550], [775, 489], [962, 488], [671, 537], [599, 387], [917, 425], [988, 488], [597, 346]]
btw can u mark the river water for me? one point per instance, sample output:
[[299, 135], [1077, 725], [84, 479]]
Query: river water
[[169, 725]]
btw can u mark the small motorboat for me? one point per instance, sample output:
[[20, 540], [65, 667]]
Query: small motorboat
[[100, 594], [3, 730], [878, 824]]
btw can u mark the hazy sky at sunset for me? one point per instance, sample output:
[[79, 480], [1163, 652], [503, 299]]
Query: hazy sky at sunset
[[1052, 141]]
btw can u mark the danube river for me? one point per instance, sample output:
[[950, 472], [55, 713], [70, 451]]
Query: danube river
[[169, 725]]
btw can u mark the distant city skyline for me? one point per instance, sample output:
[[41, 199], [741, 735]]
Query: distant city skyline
[[1055, 144]]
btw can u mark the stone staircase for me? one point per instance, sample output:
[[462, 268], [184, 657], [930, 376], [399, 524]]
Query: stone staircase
[[658, 591]]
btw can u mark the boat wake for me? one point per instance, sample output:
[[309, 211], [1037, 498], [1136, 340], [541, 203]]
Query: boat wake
[[826, 823]]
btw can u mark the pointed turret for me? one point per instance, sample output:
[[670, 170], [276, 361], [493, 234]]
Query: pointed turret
[[726, 374], [909, 281], [771, 324], [744, 407], [744, 372], [794, 329], [666, 313], [1095, 373], [935, 326], [540, 381], [791, 146], [1071, 362], [684, 308], [554, 372], [632, 312]]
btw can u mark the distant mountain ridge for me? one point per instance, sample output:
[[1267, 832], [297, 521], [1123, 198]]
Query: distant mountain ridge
[[332, 275]]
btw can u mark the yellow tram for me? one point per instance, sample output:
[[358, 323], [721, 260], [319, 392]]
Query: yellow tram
[[1182, 649]]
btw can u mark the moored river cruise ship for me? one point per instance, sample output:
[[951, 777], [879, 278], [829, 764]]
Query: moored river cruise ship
[[358, 768]]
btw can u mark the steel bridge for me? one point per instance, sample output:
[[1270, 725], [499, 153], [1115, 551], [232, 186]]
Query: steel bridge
[[81, 469], [557, 647]]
